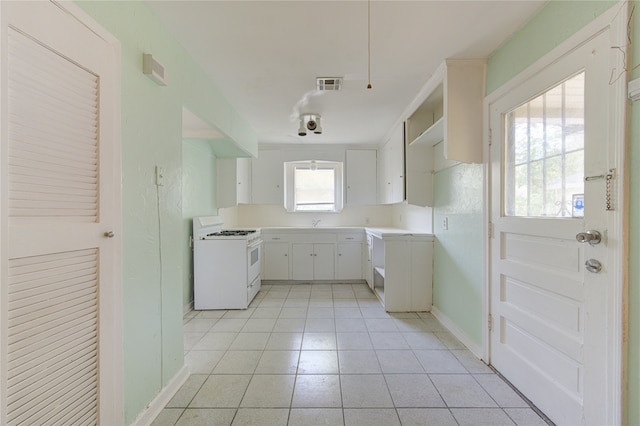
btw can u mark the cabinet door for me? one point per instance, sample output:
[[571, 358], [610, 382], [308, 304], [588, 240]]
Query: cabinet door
[[349, 261], [243, 174], [323, 261], [267, 178], [276, 261], [361, 177], [392, 168], [302, 261], [396, 165]]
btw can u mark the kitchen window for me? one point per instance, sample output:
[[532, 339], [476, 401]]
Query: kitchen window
[[313, 186]]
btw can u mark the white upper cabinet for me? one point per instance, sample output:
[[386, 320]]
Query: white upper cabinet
[[361, 177], [267, 178], [391, 166], [233, 182], [450, 109]]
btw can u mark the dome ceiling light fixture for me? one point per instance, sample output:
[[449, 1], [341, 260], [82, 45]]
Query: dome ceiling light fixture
[[309, 122]]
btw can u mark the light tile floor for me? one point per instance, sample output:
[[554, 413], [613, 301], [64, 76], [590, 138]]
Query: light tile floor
[[328, 354]]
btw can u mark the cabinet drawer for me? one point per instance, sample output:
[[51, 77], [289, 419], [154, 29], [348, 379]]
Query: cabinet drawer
[[276, 238], [351, 238]]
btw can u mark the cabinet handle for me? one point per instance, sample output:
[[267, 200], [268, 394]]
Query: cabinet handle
[[275, 238], [339, 254], [285, 255], [349, 238]]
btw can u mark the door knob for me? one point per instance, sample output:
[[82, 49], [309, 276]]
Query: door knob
[[593, 265], [591, 237], [109, 234]]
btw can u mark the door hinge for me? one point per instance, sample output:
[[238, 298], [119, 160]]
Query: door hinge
[[490, 136], [490, 230], [490, 322]]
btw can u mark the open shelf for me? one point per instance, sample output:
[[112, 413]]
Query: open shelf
[[379, 270], [432, 135]]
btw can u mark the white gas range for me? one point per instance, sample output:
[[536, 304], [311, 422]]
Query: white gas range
[[226, 265]]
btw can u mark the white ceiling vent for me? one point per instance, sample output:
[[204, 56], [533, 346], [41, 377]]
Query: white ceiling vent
[[329, 83]]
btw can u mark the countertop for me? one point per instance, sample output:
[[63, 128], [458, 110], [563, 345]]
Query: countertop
[[375, 231]]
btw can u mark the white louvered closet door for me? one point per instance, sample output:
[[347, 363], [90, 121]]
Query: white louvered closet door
[[59, 319]]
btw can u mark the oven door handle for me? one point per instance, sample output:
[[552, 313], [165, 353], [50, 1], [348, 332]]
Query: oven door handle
[[254, 244]]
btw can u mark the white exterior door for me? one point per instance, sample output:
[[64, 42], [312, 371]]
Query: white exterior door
[[60, 296], [550, 169]]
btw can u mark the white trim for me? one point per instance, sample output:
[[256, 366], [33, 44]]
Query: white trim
[[112, 330], [188, 307], [151, 411], [457, 332], [289, 183], [615, 19]]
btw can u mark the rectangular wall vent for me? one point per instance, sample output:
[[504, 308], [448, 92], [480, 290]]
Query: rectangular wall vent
[[329, 83]]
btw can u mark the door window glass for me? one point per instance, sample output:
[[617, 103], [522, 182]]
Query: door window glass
[[544, 167]]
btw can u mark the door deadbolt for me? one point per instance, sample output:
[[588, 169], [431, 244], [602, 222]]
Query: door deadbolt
[[593, 266], [591, 237]]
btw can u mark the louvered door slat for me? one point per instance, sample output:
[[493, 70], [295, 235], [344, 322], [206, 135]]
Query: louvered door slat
[[20, 188], [45, 64], [27, 289], [24, 374], [53, 335], [52, 371], [43, 405], [73, 155], [84, 166], [76, 415], [51, 99], [49, 287], [55, 340], [47, 101], [28, 316], [88, 171], [41, 138], [48, 181], [60, 300]]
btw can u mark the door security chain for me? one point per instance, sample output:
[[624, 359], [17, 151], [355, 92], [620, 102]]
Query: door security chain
[[610, 176], [607, 178]]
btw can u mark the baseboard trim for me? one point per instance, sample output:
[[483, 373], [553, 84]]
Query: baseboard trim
[[148, 415], [457, 332], [188, 307]]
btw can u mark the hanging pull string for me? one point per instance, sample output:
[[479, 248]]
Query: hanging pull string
[[369, 43]]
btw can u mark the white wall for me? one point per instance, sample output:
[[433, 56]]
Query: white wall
[[256, 215], [399, 215]]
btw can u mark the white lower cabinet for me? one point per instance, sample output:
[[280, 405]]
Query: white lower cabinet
[[276, 261], [349, 261], [402, 269], [313, 261]]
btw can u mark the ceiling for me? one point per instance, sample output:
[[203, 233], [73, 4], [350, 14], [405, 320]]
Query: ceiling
[[265, 56]]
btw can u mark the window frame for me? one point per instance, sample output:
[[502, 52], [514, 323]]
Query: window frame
[[289, 184]]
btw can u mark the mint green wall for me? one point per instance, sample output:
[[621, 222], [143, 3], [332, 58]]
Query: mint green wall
[[198, 198], [457, 256], [555, 23], [153, 231]]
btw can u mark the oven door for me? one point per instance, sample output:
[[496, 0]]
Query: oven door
[[254, 260]]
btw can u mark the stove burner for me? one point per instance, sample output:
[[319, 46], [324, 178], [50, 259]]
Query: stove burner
[[230, 233]]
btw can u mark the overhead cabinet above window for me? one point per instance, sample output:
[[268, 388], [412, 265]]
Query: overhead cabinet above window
[[449, 109]]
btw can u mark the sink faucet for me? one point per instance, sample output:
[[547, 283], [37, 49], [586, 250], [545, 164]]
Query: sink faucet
[[314, 223]]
